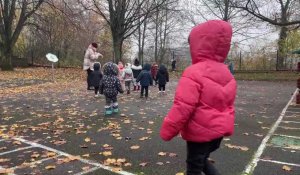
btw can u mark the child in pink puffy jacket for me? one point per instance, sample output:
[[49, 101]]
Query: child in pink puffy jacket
[[203, 109]]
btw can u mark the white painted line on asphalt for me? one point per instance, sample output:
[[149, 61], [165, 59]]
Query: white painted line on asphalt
[[251, 166], [288, 128], [293, 147], [15, 150], [295, 137], [290, 122], [68, 155], [279, 162], [294, 112]]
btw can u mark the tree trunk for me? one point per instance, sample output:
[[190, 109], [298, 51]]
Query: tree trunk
[[226, 11], [143, 41], [281, 54], [117, 44], [156, 37], [6, 64]]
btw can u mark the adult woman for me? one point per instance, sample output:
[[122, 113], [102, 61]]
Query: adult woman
[[90, 57]]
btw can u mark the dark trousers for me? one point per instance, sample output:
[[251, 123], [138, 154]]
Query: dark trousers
[[96, 90], [197, 157], [146, 89], [111, 101], [88, 79], [127, 85], [162, 87]]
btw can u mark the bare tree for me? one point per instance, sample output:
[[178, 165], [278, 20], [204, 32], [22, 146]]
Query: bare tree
[[279, 13], [13, 17], [123, 16]]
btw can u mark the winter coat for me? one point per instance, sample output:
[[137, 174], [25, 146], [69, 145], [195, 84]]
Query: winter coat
[[110, 85], [127, 74], [96, 75], [144, 77], [162, 75], [90, 57], [136, 70], [203, 108]]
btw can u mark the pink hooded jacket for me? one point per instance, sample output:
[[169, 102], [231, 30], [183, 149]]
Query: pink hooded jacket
[[203, 108]]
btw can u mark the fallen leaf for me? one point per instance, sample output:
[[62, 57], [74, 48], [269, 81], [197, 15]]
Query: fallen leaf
[[127, 164], [134, 147], [127, 121], [85, 168], [116, 169], [162, 153], [4, 160], [243, 148], [121, 160], [87, 139], [287, 168], [160, 163], [17, 143], [172, 155], [51, 154], [107, 153], [6, 171], [50, 167], [35, 155], [179, 173], [72, 158], [143, 164], [144, 138], [86, 155]]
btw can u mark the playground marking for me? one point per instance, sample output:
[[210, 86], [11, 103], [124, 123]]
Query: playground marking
[[288, 128], [279, 162], [15, 150], [97, 165], [251, 166], [295, 112], [290, 122], [295, 137]]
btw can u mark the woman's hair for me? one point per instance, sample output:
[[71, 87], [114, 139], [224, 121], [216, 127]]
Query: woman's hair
[[95, 45]]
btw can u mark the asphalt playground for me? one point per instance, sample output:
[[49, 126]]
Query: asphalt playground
[[63, 131]]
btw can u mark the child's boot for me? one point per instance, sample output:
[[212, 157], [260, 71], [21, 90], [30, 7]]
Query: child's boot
[[128, 92], [134, 88], [138, 88], [108, 110], [115, 108]]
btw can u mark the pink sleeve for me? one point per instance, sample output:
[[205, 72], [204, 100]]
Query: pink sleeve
[[185, 102]]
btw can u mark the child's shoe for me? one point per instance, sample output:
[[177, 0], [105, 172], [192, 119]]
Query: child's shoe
[[97, 95], [108, 111], [115, 107], [116, 110]]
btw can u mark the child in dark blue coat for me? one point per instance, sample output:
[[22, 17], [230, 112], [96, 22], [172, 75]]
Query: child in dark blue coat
[[96, 77], [145, 80], [162, 78]]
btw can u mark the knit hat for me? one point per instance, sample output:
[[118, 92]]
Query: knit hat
[[95, 45]]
